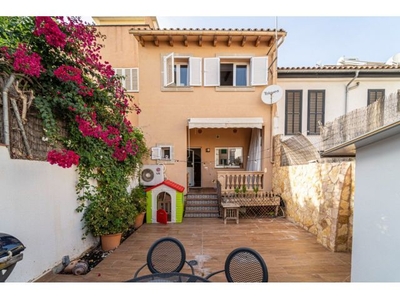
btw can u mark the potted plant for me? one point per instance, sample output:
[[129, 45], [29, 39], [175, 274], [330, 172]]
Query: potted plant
[[108, 218], [139, 200]]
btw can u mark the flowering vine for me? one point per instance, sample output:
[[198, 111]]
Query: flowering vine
[[60, 58]]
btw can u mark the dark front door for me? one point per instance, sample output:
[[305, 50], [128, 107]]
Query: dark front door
[[194, 167]]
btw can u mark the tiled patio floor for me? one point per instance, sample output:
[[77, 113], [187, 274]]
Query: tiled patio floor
[[291, 253]]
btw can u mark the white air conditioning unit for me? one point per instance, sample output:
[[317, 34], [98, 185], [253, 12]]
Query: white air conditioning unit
[[152, 175]]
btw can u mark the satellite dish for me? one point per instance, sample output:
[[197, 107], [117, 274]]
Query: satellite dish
[[271, 94]]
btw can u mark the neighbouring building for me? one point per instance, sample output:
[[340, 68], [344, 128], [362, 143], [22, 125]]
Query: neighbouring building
[[313, 96]]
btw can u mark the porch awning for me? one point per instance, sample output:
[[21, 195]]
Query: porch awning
[[225, 123]]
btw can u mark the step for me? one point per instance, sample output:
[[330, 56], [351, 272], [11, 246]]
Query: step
[[201, 206], [201, 196], [201, 215]]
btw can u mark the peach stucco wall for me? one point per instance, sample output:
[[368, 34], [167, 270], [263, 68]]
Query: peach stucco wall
[[120, 51], [164, 114]]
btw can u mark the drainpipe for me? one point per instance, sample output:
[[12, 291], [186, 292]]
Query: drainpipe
[[5, 110], [348, 88]]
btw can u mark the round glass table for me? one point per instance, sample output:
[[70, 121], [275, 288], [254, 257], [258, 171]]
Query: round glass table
[[168, 277]]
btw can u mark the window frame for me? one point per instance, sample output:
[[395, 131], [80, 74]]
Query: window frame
[[178, 74], [256, 70], [235, 66], [172, 61], [217, 156], [293, 113], [373, 95], [163, 152], [130, 80], [316, 112]]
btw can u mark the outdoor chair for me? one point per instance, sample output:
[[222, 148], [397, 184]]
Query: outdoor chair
[[166, 255], [244, 265]]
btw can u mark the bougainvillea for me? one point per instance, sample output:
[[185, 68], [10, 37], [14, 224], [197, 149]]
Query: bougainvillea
[[26, 62], [64, 158], [59, 61]]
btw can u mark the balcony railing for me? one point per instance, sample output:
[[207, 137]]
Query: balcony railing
[[232, 181]]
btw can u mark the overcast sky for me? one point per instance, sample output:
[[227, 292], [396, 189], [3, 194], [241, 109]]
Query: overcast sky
[[318, 32]]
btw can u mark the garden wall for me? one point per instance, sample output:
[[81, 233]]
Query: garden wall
[[38, 203], [319, 197]]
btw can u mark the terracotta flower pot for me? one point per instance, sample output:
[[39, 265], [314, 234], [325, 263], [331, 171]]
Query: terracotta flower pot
[[139, 220], [110, 241]]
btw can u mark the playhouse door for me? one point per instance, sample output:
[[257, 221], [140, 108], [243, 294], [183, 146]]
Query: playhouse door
[[164, 202]]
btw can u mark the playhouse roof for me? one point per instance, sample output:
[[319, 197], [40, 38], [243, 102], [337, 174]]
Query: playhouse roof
[[168, 183]]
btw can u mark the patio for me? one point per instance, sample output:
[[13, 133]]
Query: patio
[[291, 253]]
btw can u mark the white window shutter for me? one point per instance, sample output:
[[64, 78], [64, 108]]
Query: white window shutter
[[169, 77], [259, 70], [135, 80], [120, 72], [131, 78], [211, 71], [195, 71], [128, 79], [156, 153]]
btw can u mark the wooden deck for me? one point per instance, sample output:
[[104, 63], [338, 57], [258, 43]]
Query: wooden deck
[[291, 253]]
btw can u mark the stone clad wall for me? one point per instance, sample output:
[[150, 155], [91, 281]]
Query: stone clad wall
[[318, 197]]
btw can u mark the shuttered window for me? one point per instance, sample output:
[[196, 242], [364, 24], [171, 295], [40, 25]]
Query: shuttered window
[[374, 95], [131, 78], [293, 106], [316, 111], [235, 71], [181, 70]]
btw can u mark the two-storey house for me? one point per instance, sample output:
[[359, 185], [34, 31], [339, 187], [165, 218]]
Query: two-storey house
[[199, 91]]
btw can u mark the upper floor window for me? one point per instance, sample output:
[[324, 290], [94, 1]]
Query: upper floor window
[[293, 107], [316, 111], [234, 74], [130, 79], [235, 71], [181, 74], [181, 70], [374, 95]]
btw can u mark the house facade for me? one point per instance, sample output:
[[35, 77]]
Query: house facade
[[313, 96], [199, 91]]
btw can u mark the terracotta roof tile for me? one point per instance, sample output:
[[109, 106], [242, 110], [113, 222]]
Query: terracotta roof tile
[[341, 67], [168, 183]]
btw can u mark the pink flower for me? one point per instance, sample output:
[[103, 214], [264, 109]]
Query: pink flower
[[26, 63], [48, 27], [64, 158], [68, 73]]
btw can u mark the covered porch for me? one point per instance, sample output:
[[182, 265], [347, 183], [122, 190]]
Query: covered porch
[[226, 145]]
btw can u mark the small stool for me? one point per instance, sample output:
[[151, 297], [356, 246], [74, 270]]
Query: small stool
[[231, 211]]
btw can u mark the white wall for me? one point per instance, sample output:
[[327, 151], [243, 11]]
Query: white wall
[[335, 91], [376, 231], [37, 206]]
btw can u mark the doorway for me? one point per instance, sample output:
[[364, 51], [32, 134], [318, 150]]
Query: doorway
[[194, 166], [164, 202]]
